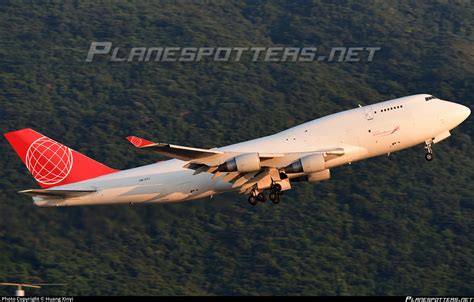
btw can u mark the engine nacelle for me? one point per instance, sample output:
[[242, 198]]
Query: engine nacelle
[[308, 164], [248, 162], [319, 176], [314, 177]]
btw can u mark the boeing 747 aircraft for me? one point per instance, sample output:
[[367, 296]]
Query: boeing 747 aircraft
[[269, 164]]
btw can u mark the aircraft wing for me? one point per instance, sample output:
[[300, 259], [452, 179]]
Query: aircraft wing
[[212, 157], [210, 161], [173, 151]]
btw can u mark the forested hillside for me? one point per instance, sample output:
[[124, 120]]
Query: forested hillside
[[390, 225]]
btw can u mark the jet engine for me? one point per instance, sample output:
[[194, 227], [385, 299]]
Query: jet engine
[[248, 162], [307, 164]]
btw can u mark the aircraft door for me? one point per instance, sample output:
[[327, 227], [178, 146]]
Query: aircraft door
[[368, 112]]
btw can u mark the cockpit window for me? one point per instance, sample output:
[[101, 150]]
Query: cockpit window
[[431, 97]]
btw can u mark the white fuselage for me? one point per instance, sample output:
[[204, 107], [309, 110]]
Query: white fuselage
[[366, 132]]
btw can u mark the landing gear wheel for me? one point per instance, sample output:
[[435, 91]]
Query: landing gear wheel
[[261, 197], [252, 200], [276, 188], [429, 156], [274, 197]]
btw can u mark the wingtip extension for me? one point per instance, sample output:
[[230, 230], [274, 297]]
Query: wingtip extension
[[138, 142]]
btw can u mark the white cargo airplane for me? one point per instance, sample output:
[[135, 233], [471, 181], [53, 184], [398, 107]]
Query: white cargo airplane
[[303, 153]]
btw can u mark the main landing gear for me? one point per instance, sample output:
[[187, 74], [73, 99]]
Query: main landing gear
[[253, 199], [429, 151], [261, 197], [256, 197], [275, 193]]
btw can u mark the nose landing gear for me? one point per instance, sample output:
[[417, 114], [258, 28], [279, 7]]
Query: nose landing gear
[[429, 156], [429, 150]]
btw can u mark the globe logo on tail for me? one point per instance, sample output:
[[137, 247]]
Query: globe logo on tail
[[48, 161]]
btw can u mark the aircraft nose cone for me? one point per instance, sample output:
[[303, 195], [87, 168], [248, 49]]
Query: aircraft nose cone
[[454, 114], [464, 112]]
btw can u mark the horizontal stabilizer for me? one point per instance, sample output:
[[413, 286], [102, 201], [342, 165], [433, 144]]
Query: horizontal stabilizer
[[63, 194]]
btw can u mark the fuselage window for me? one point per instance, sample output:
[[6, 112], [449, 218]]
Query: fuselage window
[[390, 108]]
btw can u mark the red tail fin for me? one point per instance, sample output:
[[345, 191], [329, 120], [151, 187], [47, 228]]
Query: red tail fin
[[51, 163]]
